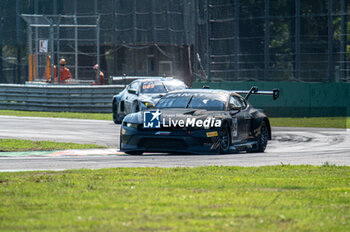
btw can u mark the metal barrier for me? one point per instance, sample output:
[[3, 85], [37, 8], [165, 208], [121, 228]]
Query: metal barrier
[[59, 98]]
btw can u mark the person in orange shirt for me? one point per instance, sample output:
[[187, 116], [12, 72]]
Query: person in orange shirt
[[102, 76], [65, 74]]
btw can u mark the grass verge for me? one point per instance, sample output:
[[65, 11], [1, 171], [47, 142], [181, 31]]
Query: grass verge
[[16, 145], [92, 116], [323, 122], [277, 198]]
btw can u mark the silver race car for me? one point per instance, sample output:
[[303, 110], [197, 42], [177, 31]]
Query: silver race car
[[139, 93]]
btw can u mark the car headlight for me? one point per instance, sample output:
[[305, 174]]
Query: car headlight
[[145, 103], [131, 125]]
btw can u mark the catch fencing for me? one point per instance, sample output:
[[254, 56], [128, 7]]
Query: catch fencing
[[58, 98], [53, 37]]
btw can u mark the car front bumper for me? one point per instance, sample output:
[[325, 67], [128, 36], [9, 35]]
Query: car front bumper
[[172, 141]]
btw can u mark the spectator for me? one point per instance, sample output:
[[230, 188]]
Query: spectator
[[102, 76]]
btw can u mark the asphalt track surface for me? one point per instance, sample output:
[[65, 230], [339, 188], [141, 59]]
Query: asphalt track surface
[[313, 146]]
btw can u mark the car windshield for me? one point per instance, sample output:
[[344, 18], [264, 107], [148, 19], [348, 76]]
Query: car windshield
[[174, 85], [192, 101], [153, 87]]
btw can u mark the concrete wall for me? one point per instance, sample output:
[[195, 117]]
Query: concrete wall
[[296, 99]]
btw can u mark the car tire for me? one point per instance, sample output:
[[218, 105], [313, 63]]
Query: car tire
[[116, 117], [224, 138], [261, 140], [134, 152], [263, 137]]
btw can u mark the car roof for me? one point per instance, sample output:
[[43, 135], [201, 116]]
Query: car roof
[[207, 91], [158, 79]]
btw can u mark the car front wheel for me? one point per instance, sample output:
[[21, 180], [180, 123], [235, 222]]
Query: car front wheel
[[116, 117], [263, 137], [224, 138]]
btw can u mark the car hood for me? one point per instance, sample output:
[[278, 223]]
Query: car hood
[[178, 114]]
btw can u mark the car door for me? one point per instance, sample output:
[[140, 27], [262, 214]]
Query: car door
[[131, 95], [240, 119], [247, 118]]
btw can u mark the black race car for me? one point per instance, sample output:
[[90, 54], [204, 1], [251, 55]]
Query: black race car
[[198, 121]]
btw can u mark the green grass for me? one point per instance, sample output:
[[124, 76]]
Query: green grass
[[325, 122], [93, 116], [278, 198], [15, 145]]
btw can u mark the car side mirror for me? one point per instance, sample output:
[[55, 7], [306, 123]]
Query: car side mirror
[[150, 105], [276, 94], [233, 107], [132, 91]]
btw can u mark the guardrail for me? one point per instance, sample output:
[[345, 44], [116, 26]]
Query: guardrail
[[59, 98]]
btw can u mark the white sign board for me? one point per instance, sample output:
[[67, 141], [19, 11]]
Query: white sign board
[[43, 45]]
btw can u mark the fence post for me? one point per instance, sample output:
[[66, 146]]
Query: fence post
[[342, 40], [208, 41], [195, 44], [1, 35], [98, 47], [330, 42], [267, 40], [30, 51], [75, 40], [297, 40], [52, 79], [58, 48], [236, 38], [18, 40]]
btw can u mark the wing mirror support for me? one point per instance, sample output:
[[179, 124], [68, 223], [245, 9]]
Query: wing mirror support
[[150, 105]]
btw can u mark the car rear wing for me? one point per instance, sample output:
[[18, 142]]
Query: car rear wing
[[254, 90]]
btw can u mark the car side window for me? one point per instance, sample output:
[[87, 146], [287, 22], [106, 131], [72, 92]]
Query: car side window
[[134, 86], [235, 101]]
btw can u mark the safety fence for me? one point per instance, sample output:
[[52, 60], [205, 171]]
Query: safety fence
[[59, 98]]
